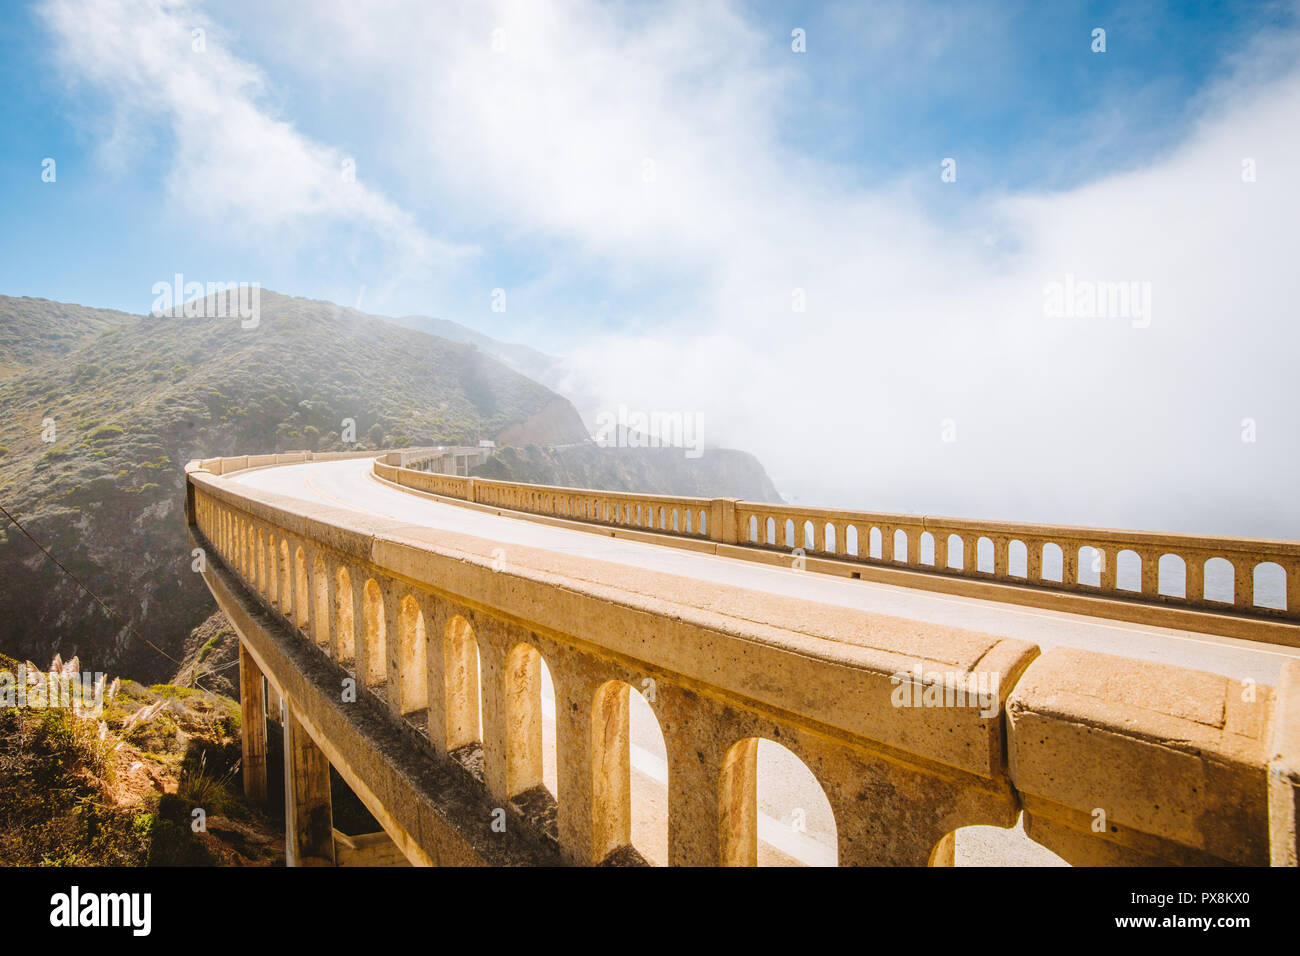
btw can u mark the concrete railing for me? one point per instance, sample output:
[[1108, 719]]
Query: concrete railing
[[1251, 577], [913, 730]]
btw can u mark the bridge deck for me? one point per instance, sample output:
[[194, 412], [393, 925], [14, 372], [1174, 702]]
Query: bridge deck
[[351, 484]]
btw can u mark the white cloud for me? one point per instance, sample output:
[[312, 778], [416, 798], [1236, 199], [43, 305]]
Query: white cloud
[[910, 319], [233, 163]]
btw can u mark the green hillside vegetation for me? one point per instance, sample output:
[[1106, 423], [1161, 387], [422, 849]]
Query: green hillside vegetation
[[37, 330], [119, 790], [132, 399]]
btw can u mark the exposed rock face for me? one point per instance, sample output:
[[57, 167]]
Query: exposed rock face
[[717, 473], [558, 423], [211, 658]]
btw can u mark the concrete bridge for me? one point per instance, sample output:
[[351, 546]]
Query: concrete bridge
[[510, 674]]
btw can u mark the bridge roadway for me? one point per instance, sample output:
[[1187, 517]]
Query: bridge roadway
[[785, 785]]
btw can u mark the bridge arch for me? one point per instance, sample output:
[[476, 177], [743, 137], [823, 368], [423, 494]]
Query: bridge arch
[[773, 809], [530, 743], [1218, 580], [1171, 571], [1090, 562], [286, 580], [302, 588], [901, 542], [956, 552], [926, 553], [375, 633], [272, 570], [462, 711], [320, 623], [627, 744], [345, 645], [1017, 558], [1053, 563], [413, 694], [1268, 585], [1128, 570]]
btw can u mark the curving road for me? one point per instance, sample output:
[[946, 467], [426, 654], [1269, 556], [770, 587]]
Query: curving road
[[795, 822]]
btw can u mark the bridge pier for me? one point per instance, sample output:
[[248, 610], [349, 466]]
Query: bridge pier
[[252, 727], [308, 812]]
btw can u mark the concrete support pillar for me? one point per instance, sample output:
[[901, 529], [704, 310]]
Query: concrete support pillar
[[1070, 565], [1150, 572], [1001, 556], [523, 699], [1034, 560], [321, 615], [273, 699], [611, 770], [1292, 589], [393, 665], [308, 814], [252, 727], [1195, 580], [1109, 570], [1284, 771], [573, 758], [495, 718], [722, 520], [437, 649], [362, 627], [693, 804], [1243, 581]]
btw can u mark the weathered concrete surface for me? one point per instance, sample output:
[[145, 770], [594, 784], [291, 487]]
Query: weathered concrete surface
[[429, 620], [1123, 760], [1284, 773], [415, 798]]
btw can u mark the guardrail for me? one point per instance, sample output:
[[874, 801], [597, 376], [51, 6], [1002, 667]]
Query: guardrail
[[912, 731], [1254, 577]]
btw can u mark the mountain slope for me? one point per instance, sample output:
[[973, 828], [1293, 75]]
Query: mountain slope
[[132, 400], [37, 330], [524, 359], [718, 472]]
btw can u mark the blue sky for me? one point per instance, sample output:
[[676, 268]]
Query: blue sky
[[1012, 90], [654, 186]]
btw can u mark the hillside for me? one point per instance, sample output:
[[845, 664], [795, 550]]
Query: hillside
[[525, 360], [119, 788], [132, 398], [718, 472], [36, 330]]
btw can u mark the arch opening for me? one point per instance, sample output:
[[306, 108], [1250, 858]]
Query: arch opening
[[1171, 576], [630, 776], [774, 811], [376, 633], [1268, 582]]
